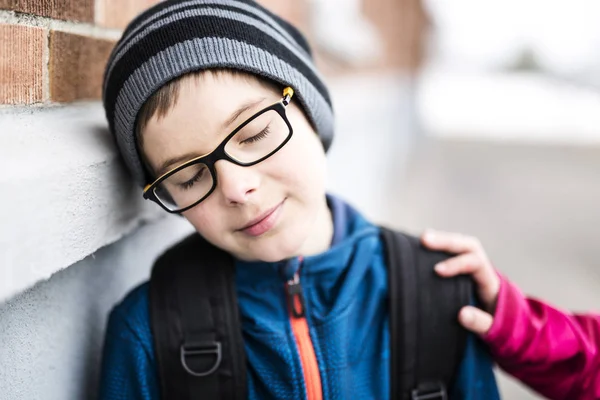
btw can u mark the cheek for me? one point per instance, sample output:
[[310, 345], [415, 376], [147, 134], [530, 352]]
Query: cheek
[[310, 160], [300, 165], [205, 219], [301, 162]]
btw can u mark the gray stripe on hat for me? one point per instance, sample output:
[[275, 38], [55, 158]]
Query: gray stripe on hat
[[203, 53], [232, 3], [216, 12]]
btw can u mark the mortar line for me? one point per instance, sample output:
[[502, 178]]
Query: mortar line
[[46, 68], [78, 28]]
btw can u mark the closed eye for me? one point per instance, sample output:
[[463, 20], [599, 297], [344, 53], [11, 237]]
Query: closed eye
[[259, 136], [189, 184]]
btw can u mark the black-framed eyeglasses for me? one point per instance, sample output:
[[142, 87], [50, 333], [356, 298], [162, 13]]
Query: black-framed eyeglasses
[[255, 140]]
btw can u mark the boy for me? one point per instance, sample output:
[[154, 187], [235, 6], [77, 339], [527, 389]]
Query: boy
[[220, 114]]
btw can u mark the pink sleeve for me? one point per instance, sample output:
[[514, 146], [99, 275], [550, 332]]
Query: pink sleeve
[[554, 352]]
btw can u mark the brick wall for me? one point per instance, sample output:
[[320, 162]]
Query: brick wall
[[55, 50]]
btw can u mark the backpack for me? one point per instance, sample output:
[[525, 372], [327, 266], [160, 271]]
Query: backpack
[[198, 337]]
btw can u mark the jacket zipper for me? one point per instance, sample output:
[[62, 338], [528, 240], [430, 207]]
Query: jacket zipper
[[308, 358]]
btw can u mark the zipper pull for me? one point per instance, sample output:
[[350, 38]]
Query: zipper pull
[[295, 296]]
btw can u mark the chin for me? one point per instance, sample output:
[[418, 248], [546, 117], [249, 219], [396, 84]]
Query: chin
[[273, 250], [271, 254], [271, 258]]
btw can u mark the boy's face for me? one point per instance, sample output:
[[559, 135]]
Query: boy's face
[[291, 183]]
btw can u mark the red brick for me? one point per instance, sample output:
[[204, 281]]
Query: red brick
[[75, 10], [21, 64], [402, 25], [295, 12], [118, 13], [76, 66]]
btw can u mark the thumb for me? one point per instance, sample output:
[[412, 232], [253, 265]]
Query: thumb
[[475, 320]]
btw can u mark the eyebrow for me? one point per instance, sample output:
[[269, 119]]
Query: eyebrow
[[166, 165], [245, 107]]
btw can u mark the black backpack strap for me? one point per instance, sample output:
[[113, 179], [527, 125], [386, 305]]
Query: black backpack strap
[[195, 323], [427, 343]]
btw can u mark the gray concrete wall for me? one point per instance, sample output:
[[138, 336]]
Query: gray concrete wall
[[51, 335], [63, 192]]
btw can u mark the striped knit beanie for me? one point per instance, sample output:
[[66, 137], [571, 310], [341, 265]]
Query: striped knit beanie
[[177, 37]]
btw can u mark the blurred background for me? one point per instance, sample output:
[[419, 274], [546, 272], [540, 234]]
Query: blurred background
[[491, 128], [481, 118]]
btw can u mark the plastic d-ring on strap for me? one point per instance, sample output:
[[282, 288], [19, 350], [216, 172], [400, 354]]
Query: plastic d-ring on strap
[[430, 391], [201, 349]]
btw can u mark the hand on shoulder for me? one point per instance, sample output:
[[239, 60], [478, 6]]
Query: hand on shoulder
[[470, 259]]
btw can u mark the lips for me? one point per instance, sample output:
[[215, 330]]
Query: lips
[[264, 222]]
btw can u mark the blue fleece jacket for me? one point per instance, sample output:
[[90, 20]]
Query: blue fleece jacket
[[345, 294]]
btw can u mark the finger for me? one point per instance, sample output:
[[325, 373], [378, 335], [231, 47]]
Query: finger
[[467, 263], [476, 265], [450, 242], [475, 320]]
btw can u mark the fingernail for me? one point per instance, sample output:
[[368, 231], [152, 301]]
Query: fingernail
[[429, 236], [441, 267], [468, 316]]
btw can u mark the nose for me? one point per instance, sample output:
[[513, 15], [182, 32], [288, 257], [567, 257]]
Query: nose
[[235, 183]]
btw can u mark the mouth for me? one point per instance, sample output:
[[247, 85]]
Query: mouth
[[264, 222]]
